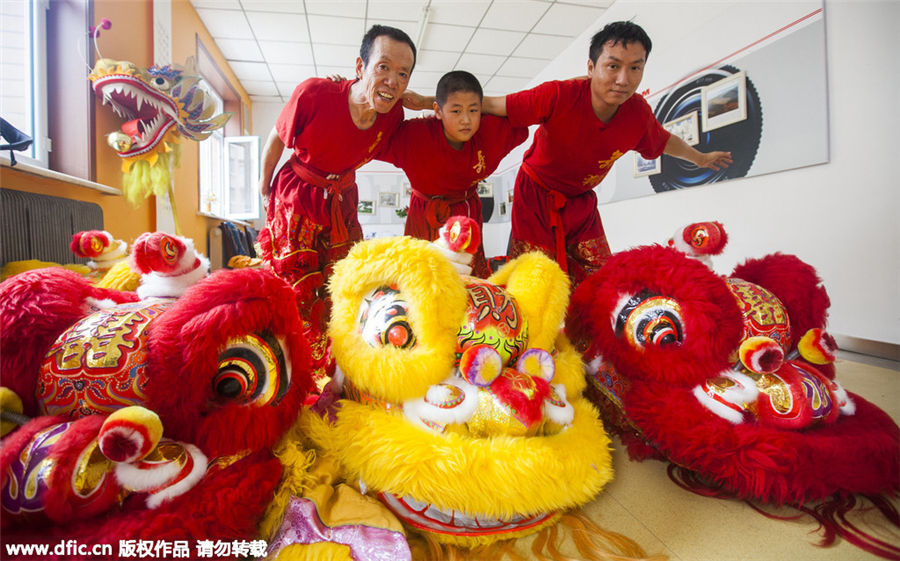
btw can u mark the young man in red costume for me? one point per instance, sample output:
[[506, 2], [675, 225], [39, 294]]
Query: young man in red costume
[[332, 128], [445, 157], [585, 126]]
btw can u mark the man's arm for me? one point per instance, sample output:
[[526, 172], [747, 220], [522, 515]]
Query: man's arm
[[494, 105], [271, 154], [416, 101], [680, 149]]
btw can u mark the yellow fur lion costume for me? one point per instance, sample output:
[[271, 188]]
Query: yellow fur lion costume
[[462, 409]]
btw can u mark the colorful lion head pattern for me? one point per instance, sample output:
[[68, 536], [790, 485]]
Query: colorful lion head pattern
[[463, 410]]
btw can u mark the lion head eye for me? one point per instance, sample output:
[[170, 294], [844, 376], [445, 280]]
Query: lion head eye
[[252, 370], [648, 319], [384, 319]]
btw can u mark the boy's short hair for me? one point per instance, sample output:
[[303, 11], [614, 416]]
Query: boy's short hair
[[365, 49], [619, 32], [456, 81]]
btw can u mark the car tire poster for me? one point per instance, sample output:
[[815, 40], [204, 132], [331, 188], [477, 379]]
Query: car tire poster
[[766, 104]]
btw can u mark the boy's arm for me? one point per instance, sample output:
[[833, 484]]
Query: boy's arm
[[271, 154], [680, 149]]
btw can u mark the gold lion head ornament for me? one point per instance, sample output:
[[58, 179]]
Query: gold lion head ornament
[[462, 408]]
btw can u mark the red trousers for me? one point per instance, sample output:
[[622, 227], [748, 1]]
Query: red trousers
[[566, 228]]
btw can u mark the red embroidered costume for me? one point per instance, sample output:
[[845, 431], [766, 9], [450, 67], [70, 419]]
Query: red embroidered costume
[[444, 179], [555, 206], [311, 221]]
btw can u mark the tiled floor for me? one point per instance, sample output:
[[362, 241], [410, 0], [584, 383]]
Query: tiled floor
[[645, 505]]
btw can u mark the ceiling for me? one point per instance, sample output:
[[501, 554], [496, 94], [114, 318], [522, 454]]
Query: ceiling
[[272, 45]]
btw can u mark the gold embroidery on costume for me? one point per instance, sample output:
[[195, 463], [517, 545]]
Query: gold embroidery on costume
[[606, 164], [479, 167], [377, 140]]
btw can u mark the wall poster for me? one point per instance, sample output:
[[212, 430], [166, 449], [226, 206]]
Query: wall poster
[[766, 104]]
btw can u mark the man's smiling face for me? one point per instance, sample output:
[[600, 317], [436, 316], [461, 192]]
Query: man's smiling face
[[387, 74]]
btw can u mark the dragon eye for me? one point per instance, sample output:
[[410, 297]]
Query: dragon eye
[[384, 319], [252, 370], [649, 319], [161, 83]]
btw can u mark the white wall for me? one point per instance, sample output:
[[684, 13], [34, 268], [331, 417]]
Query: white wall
[[841, 217]]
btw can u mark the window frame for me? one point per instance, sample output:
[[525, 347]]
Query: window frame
[[35, 63]]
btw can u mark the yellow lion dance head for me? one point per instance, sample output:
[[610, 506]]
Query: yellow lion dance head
[[462, 406]]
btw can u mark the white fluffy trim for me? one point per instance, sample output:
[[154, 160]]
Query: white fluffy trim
[[462, 262], [137, 479], [561, 415], [112, 256], [160, 286], [423, 410], [743, 392], [845, 402]]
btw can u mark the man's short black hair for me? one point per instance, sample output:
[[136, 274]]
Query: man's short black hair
[[619, 32], [365, 49], [457, 81]]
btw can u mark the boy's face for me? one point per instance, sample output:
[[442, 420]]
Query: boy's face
[[386, 76], [616, 74], [461, 116]]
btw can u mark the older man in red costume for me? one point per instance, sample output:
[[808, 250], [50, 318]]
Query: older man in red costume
[[585, 126], [333, 128], [445, 157]]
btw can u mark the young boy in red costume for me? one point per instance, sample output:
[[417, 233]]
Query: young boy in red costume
[[332, 128], [445, 157], [585, 126]]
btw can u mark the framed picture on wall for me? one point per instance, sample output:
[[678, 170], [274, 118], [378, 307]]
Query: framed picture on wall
[[644, 167], [687, 128], [485, 189], [407, 189], [502, 209], [388, 199], [365, 207], [509, 195], [724, 102]]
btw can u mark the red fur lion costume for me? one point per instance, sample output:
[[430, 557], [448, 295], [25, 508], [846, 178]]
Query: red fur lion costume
[[731, 379], [153, 416]]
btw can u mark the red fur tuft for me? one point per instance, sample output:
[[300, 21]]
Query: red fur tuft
[[35, 307], [118, 447], [157, 252], [705, 238], [90, 243], [464, 238]]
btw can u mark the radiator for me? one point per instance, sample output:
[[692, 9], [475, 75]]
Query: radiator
[[40, 227]]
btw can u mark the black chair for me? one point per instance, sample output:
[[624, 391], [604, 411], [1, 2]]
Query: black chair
[[15, 140]]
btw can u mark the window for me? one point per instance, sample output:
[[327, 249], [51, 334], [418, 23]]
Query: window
[[242, 171], [229, 167], [211, 165], [229, 163], [23, 101]]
